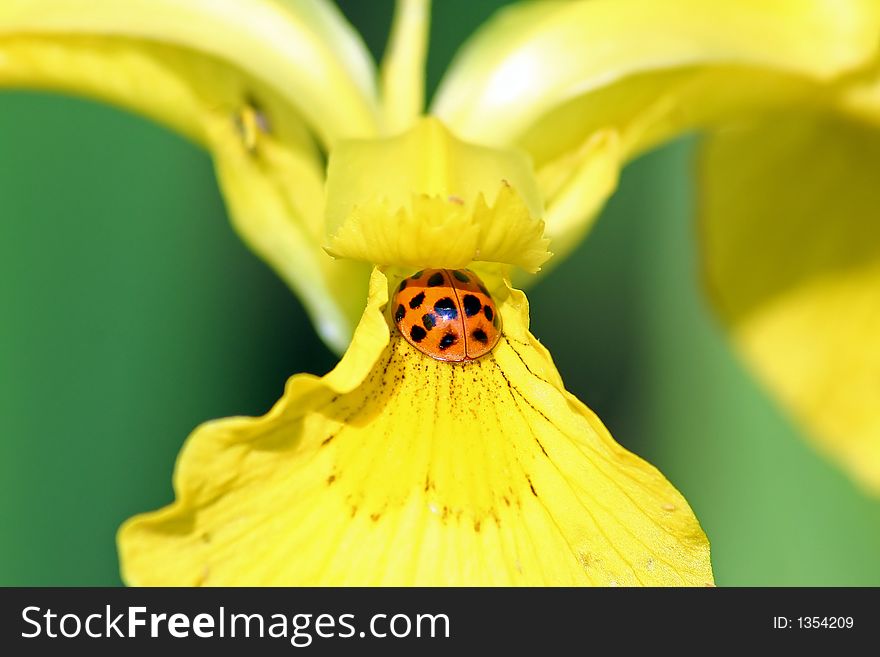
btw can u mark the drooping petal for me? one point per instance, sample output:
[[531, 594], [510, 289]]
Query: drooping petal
[[302, 49], [403, 66], [427, 199], [585, 86], [791, 254], [534, 57], [398, 469], [252, 81], [275, 198]]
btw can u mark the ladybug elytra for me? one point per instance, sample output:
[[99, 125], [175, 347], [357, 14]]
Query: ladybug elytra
[[447, 314]]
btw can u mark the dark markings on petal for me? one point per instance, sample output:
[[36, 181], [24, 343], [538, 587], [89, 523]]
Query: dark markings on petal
[[471, 305], [331, 479], [366, 400], [375, 516], [516, 392], [399, 314], [460, 275], [480, 336], [435, 280], [445, 307], [487, 311], [447, 340], [452, 387], [512, 497], [476, 525], [417, 333], [526, 365], [513, 389], [429, 321], [540, 444], [416, 301], [352, 412]]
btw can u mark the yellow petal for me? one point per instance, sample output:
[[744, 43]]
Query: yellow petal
[[275, 200], [426, 199], [403, 66], [398, 469], [576, 186], [302, 49], [531, 59], [585, 86], [249, 80], [791, 249]]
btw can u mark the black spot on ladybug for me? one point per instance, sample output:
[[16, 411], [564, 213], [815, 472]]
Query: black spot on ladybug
[[402, 285], [448, 340], [483, 289], [417, 275], [487, 311], [429, 321], [495, 322], [480, 336], [460, 275], [416, 301], [471, 305], [445, 307], [400, 313], [435, 280], [417, 333]]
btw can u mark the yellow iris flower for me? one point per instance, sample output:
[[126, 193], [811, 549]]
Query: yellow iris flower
[[396, 468]]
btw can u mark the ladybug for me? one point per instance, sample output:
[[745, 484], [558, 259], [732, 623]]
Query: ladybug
[[447, 314]]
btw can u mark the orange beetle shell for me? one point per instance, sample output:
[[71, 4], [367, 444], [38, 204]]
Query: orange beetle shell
[[447, 314]]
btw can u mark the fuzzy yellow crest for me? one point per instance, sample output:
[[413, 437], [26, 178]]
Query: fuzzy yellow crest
[[427, 199]]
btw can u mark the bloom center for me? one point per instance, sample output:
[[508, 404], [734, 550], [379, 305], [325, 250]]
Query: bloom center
[[426, 199]]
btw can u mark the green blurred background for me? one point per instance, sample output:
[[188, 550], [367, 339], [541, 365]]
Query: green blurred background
[[130, 312]]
